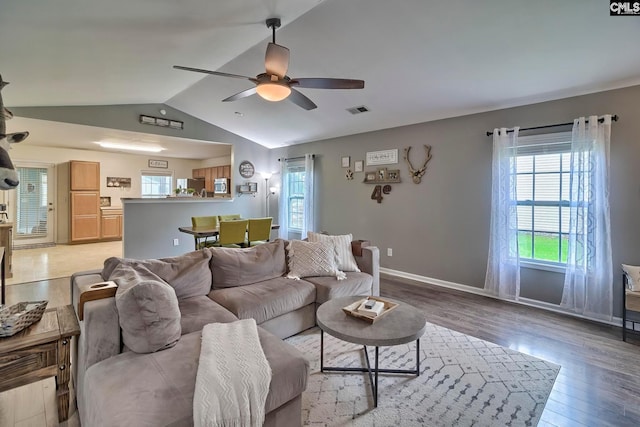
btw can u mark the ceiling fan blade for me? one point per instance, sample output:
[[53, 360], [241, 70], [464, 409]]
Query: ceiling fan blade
[[215, 73], [300, 100], [240, 95], [326, 83], [276, 60]]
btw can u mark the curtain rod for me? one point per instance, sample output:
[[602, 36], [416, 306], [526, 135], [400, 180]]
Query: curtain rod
[[295, 158], [600, 120]]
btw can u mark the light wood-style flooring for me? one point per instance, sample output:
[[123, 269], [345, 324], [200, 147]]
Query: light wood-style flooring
[[598, 384]]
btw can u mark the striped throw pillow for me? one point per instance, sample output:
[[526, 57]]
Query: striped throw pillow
[[342, 243]]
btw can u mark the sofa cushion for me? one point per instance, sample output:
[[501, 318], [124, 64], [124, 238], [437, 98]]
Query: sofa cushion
[[633, 274], [232, 267], [265, 300], [328, 287], [312, 259], [342, 244], [188, 274], [148, 309], [199, 311], [157, 389]]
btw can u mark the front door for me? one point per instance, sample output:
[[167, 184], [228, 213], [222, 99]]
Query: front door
[[32, 206]]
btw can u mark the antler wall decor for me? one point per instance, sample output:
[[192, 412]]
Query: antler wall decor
[[416, 174], [9, 178]]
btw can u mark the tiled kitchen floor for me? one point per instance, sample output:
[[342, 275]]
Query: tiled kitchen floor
[[30, 265]]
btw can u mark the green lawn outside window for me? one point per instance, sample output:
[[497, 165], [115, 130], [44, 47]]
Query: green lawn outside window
[[545, 247]]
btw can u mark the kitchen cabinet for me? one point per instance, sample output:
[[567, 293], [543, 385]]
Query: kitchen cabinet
[[84, 175], [6, 241], [85, 216], [111, 224], [208, 180], [84, 199], [199, 173], [210, 174]]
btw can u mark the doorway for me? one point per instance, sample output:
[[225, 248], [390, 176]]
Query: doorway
[[32, 205]]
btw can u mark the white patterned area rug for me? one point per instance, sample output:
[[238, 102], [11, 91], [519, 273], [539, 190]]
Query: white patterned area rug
[[464, 381]]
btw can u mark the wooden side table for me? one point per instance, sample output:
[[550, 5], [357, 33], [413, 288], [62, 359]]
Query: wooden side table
[[40, 351]]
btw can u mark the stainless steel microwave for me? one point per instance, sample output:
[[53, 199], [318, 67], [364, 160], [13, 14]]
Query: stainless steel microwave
[[221, 186]]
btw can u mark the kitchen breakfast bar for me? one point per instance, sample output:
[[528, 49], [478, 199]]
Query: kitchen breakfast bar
[[150, 227]]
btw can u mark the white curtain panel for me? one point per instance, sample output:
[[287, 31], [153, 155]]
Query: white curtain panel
[[283, 205], [588, 282], [503, 266], [309, 223]]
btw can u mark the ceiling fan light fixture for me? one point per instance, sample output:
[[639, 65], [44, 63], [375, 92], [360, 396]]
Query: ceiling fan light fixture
[[273, 91]]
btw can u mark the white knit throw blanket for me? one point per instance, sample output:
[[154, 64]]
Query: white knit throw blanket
[[233, 377]]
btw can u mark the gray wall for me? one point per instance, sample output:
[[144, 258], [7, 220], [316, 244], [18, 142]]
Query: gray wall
[[151, 225], [440, 228]]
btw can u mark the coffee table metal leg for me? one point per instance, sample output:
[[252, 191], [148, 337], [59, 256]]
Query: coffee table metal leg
[[321, 350], [373, 373], [375, 395]]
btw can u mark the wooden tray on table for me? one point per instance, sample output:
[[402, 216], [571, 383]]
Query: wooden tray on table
[[352, 309]]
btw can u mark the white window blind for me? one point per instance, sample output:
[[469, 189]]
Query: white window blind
[[32, 207]]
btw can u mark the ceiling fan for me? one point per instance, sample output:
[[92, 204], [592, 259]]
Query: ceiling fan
[[274, 84]]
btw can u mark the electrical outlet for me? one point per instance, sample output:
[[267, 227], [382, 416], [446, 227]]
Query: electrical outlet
[[389, 252], [176, 242]]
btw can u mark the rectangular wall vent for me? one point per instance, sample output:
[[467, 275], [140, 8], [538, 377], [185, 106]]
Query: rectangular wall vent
[[358, 110]]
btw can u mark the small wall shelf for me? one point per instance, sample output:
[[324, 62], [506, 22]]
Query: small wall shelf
[[113, 181], [382, 176], [247, 188]]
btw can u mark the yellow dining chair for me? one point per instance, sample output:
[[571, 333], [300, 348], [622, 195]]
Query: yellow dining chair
[[205, 222], [232, 233], [231, 217], [259, 231]]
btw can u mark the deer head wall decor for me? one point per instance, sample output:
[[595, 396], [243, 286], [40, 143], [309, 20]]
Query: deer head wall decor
[[9, 179], [416, 174]]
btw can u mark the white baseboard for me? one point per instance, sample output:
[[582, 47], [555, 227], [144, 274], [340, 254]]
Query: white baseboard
[[616, 321]]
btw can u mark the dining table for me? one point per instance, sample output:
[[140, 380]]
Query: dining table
[[204, 232]]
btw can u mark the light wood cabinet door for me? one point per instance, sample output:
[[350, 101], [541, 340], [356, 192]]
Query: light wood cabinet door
[[111, 226], [84, 175], [226, 171], [208, 179], [198, 173], [85, 216]]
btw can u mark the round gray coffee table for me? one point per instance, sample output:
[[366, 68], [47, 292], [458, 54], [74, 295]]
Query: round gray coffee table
[[400, 326]]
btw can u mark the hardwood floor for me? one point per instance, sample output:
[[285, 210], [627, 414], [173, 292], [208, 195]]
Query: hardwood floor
[[599, 382]]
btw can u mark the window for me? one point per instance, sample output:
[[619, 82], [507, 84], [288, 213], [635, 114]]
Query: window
[[295, 205], [156, 184], [542, 192]]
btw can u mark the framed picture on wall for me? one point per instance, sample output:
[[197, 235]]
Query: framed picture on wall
[[359, 165], [346, 161]]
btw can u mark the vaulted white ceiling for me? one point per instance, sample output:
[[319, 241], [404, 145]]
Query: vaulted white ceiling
[[421, 59]]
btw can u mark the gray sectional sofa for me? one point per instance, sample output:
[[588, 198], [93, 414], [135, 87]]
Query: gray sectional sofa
[[119, 387]]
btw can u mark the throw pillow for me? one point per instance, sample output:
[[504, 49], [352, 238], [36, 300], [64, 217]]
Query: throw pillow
[[633, 274], [344, 256], [188, 274], [312, 259], [232, 267], [148, 309]]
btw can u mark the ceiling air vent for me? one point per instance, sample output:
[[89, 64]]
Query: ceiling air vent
[[358, 110]]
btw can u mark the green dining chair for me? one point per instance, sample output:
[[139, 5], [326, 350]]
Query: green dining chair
[[231, 217], [205, 222], [259, 231], [232, 233]]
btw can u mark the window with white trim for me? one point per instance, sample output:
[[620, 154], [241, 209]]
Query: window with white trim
[[542, 189], [156, 184], [295, 204]]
